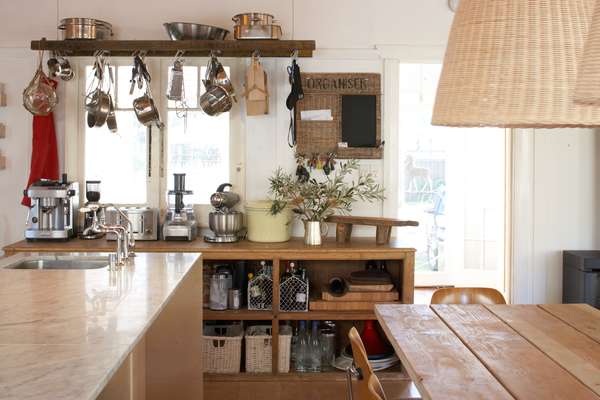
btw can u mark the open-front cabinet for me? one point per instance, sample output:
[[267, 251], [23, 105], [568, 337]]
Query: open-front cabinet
[[320, 266]]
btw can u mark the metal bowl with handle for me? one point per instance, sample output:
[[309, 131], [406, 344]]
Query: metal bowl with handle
[[85, 28], [191, 31]]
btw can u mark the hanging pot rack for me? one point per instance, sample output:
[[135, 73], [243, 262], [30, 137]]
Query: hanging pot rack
[[166, 48]]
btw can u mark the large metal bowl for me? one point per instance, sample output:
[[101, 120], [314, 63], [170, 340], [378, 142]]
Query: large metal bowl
[[188, 31]]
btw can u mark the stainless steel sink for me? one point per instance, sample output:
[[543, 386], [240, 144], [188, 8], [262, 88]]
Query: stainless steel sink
[[47, 263]]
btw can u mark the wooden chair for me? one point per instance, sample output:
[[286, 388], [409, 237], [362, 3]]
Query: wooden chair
[[467, 295], [368, 385]]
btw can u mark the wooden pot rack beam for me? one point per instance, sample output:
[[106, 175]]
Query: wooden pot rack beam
[[168, 48]]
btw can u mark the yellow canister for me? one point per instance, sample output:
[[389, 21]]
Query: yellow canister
[[265, 227]]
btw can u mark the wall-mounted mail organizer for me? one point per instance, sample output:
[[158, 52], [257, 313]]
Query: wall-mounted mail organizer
[[340, 113]]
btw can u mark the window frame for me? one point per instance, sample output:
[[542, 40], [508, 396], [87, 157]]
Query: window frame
[[157, 183]]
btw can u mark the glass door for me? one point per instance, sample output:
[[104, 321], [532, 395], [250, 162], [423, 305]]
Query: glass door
[[453, 182]]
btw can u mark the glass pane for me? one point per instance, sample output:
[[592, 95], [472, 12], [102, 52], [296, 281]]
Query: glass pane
[[124, 99], [201, 151], [119, 160], [452, 182], [190, 84]]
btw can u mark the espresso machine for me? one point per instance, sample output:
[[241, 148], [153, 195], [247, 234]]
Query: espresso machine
[[86, 214], [53, 214], [225, 223], [180, 221]]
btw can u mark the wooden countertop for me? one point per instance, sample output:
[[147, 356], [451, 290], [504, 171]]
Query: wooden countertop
[[64, 333], [357, 249], [497, 351]]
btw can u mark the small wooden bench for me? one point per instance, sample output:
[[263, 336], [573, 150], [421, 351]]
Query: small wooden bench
[[343, 230]]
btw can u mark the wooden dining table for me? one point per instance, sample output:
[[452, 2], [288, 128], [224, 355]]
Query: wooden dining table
[[549, 351]]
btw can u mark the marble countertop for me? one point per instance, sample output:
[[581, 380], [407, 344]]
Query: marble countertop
[[63, 333]]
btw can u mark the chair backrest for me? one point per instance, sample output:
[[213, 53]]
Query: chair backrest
[[472, 295], [368, 387]]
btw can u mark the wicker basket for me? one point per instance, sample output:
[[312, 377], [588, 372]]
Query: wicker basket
[[222, 349], [259, 349]]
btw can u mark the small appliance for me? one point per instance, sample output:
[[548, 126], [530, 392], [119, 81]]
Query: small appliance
[[86, 213], [180, 222], [53, 214], [226, 223], [144, 221]]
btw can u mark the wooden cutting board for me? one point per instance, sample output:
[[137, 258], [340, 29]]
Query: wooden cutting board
[[323, 305], [392, 295], [370, 288]]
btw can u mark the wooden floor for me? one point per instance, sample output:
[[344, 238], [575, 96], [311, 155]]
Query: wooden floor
[[423, 295]]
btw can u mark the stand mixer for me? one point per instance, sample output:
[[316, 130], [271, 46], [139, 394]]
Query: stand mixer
[[225, 222], [180, 222]]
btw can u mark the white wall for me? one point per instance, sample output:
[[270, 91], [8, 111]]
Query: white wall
[[349, 35]]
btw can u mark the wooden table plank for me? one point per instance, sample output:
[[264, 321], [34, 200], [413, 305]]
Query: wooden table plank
[[436, 360], [525, 371], [583, 317], [574, 351]]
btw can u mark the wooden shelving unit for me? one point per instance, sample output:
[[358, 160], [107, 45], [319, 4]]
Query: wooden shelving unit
[[168, 48]]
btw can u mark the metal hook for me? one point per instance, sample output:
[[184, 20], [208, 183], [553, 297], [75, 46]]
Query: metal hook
[[256, 55], [179, 54], [294, 54]]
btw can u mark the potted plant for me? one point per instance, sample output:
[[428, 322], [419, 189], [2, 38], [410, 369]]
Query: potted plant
[[313, 201]]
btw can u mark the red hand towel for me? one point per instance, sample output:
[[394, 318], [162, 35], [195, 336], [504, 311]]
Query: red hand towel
[[44, 152]]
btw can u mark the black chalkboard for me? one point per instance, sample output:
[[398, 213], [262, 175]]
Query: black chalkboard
[[359, 120]]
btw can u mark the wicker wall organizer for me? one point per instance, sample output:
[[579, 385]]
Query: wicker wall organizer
[[325, 91]]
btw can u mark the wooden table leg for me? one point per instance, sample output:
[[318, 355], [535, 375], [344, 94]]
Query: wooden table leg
[[408, 278]]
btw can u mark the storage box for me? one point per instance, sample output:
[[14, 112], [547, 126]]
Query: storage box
[[259, 349], [222, 349]]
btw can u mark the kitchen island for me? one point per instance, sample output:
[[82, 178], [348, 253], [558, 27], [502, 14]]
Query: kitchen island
[[322, 262], [95, 333]]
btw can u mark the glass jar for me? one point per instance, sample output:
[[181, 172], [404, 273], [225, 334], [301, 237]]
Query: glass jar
[[219, 287], [327, 339]]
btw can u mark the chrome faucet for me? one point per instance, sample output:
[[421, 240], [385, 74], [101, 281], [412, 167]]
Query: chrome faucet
[[122, 234], [130, 240]]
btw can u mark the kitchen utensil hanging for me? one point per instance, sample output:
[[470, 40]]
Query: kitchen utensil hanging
[[220, 94], [39, 97], [60, 67], [144, 106], [176, 88], [256, 92], [296, 94], [99, 102]]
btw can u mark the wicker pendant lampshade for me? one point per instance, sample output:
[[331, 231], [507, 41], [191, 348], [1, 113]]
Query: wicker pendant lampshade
[[513, 63], [587, 90]]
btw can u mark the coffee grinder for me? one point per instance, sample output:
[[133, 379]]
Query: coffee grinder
[[180, 222], [86, 215]]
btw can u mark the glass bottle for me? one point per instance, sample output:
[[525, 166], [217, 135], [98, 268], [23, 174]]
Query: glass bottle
[[315, 349], [302, 348]]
